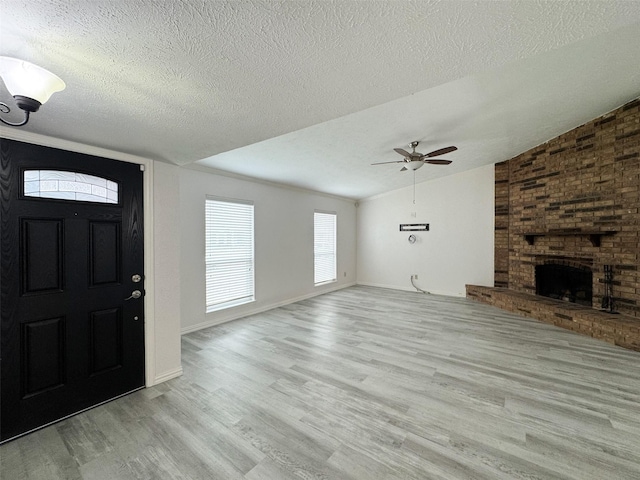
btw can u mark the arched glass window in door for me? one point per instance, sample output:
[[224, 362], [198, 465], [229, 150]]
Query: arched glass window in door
[[63, 185]]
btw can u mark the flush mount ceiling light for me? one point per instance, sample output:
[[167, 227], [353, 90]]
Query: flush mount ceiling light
[[30, 85]]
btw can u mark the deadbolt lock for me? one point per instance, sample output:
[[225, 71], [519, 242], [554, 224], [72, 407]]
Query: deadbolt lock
[[136, 278]]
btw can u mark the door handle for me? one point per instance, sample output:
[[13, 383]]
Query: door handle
[[134, 294]]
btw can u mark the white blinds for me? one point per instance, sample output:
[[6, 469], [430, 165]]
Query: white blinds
[[324, 247], [228, 253]]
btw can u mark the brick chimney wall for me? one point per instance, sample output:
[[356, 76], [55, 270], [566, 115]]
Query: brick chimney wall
[[552, 199]]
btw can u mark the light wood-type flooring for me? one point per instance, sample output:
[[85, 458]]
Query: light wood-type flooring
[[363, 383]]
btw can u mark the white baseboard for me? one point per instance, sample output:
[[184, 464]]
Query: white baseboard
[[264, 308], [392, 287], [176, 372], [411, 289]]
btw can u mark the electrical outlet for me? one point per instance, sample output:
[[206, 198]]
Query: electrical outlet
[[415, 277]]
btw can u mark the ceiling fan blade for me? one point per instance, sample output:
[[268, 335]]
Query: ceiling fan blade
[[402, 152], [442, 151], [403, 169], [382, 163], [438, 162]]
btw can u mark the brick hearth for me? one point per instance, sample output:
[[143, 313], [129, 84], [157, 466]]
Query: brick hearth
[[573, 199], [622, 330]]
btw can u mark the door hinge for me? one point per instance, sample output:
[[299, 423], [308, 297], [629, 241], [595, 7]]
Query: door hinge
[[141, 167]]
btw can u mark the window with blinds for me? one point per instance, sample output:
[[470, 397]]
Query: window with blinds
[[324, 247], [228, 253]]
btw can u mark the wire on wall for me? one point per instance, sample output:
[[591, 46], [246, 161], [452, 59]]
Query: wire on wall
[[417, 287]]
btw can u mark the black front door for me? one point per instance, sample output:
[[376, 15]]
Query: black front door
[[71, 255]]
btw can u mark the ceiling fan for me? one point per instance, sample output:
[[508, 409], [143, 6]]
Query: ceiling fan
[[415, 160]]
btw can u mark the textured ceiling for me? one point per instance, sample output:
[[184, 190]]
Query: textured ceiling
[[310, 93]]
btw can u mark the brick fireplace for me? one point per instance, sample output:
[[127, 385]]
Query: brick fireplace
[[574, 200]]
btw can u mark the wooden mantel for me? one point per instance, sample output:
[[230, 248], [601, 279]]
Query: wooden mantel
[[594, 235]]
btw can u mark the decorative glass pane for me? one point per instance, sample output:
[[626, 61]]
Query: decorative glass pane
[[31, 175], [69, 186]]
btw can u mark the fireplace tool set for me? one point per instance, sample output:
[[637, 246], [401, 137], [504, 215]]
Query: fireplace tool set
[[607, 299]]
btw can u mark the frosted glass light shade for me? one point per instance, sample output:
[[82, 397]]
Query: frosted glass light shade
[[28, 80]]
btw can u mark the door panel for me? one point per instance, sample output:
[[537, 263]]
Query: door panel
[[104, 247], [106, 340], [41, 255], [69, 340], [42, 355]]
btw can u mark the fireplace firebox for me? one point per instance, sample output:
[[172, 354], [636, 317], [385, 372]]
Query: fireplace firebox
[[565, 282]]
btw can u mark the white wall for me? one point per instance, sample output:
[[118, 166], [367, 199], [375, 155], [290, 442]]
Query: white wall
[[166, 255], [458, 248], [283, 219]]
